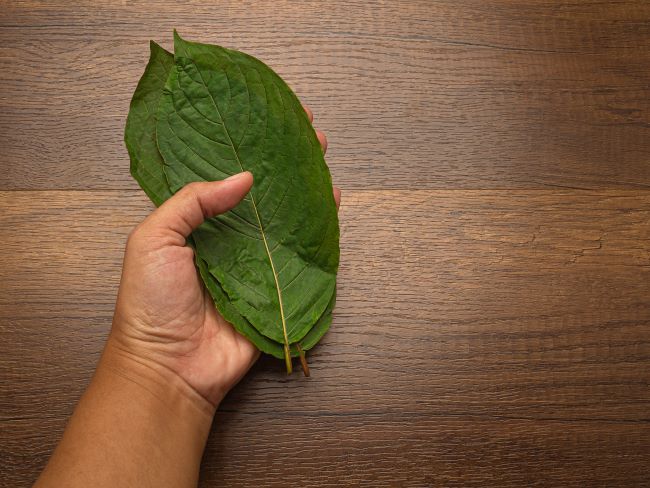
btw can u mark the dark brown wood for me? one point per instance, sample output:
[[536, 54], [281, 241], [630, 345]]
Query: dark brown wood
[[471, 94], [491, 329], [475, 329]]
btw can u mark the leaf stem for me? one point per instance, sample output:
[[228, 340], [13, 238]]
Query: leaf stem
[[287, 359], [303, 361]]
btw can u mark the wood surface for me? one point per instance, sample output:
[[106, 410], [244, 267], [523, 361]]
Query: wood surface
[[493, 316]]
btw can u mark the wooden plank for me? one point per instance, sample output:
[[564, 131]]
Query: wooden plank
[[420, 94], [441, 450], [481, 337]]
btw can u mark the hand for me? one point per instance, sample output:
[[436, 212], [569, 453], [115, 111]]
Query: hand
[[164, 317]]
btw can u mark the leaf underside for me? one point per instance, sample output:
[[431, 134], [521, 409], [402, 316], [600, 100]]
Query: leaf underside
[[269, 264]]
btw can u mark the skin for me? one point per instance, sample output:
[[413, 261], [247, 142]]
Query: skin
[[168, 362]]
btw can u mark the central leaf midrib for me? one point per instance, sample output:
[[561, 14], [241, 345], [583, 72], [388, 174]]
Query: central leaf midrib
[[257, 215]]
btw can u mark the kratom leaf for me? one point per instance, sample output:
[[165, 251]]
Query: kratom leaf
[[318, 330], [276, 254], [147, 168], [229, 313], [140, 131], [242, 325]]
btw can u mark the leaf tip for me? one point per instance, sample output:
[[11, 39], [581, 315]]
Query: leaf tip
[[177, 37], [154, 48]]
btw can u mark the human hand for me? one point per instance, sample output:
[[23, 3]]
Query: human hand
[[164, 317]]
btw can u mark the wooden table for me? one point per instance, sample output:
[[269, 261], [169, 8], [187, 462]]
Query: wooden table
[[493, 320]]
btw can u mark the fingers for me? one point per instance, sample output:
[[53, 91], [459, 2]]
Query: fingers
[[319, 133], [310, 114], [322, 139], [337, 196], [188, 208]]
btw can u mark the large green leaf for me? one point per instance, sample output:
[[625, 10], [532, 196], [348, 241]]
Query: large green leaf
[[147, 169], [276, 254], [140, 131], [242, 325], [229, 313]]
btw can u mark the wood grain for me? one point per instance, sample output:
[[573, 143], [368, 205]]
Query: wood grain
[[469, 94], [475, 329], [493, 317]]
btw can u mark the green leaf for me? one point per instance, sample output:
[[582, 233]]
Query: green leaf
[[140, 130], [229, 313], [244, 327], [318, 330], [276, 254], [147, 168]]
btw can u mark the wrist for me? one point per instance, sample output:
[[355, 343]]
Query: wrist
[[158, 383], [207, 361], [133, 414]]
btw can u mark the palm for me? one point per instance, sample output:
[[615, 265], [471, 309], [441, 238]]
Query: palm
[[163, 300]]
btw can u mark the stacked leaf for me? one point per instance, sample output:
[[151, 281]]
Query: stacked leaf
[[206, 113]]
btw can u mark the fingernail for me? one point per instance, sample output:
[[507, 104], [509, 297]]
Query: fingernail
[[237, 176]]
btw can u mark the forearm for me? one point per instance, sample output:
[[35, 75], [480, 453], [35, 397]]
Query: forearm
[[136, 425]]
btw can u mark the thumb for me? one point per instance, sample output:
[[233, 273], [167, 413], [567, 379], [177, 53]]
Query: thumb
[[195, 202]]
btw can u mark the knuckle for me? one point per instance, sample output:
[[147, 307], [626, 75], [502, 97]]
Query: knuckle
[[190, 188]]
